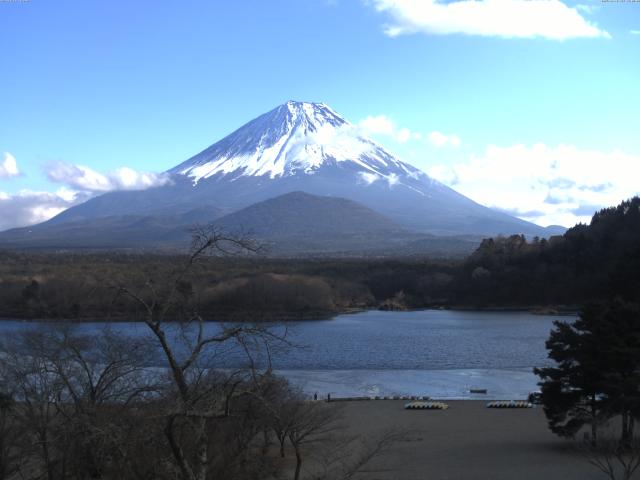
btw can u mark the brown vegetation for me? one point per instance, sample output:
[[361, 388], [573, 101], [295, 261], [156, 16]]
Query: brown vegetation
[[586, 263], [82, 287], [86, 407]]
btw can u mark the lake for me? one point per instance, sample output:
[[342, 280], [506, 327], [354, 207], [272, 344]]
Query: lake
[[441, 353]]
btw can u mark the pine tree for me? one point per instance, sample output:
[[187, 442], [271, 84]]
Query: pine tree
[[597, 372]]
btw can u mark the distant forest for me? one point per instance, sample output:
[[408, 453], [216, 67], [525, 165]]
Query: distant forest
[[588, 262]]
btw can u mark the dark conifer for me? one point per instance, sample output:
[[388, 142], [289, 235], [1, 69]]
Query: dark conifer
[[597, 372]]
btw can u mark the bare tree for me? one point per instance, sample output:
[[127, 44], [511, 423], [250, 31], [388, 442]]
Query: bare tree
[[197, 403], [615, 459], [310, 422], [71, 390], [280, 402], [39, 394], [102, 376], [9, 437], [349, 456]]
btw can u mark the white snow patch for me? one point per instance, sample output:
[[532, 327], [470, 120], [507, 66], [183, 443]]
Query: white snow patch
[[313, 136], [368, 178]]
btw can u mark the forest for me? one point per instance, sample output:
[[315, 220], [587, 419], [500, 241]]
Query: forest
[[588, 262]]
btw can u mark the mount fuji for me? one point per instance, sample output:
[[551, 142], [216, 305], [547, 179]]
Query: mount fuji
[[296, 147]]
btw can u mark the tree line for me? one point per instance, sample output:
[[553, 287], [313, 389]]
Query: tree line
[[595, 261], [588, 262]]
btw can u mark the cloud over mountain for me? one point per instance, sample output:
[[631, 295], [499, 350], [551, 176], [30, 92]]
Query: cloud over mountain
[[384, 126], [28, 207], [440, 140], [87, 179]]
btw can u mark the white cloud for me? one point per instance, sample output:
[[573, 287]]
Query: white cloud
[[549, 19], [336, 141], [28, 207], [8, 166], [547, 185], [404, 135], [368, 178], [440, 140], [383, 125], [378, 124], [85, 179], [634, 32], [392, 179]]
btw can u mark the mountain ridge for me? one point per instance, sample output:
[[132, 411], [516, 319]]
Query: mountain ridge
[[300, 147]]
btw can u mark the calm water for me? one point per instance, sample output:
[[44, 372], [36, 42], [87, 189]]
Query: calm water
[[424, 340], [392, 352]]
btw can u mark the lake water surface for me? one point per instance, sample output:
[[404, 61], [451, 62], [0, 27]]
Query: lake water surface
[[441, 353]]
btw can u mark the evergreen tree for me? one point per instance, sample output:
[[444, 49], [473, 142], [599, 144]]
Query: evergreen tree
[[597, 372]]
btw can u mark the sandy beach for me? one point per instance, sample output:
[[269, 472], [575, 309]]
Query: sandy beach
[[467, 441]]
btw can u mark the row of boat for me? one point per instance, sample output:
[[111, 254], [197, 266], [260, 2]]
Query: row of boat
[[418, 405]]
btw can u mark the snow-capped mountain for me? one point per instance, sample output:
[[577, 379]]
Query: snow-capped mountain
[[297, 138], [296, 147]]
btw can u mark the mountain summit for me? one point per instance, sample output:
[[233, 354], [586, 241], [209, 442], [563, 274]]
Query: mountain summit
[[296, 147], [297, 138]]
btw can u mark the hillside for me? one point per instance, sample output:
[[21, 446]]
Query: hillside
[[302, 214], [588, 262]]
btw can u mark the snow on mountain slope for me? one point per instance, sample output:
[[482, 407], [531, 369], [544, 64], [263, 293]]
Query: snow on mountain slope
[[296, 147], [296, 138]]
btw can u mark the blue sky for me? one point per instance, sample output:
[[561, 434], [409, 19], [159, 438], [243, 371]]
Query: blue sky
[[528, 106]]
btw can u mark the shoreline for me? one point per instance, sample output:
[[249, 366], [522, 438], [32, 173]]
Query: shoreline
[[247, 317], [451, 385]]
